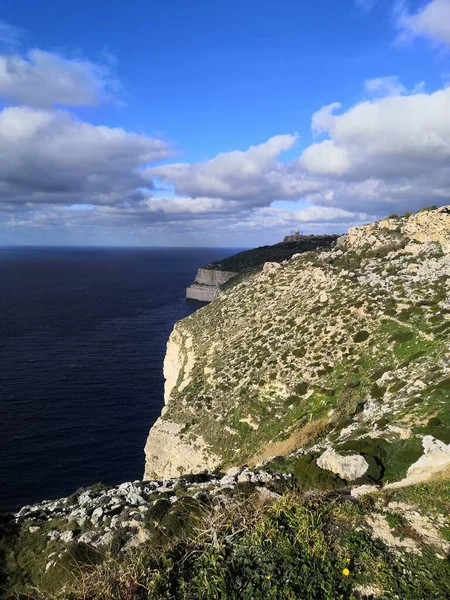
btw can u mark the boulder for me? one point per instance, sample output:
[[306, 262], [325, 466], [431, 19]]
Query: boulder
[[436, 458], [271, 267], [348, 467]]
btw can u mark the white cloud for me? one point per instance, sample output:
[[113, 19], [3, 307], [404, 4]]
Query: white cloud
[[251, 177], [50, 157], [387, 154], [43, 79], [432, 21], [385, 86], [399, 136], [312, 214]]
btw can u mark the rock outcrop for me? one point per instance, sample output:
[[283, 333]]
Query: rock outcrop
[[435, 459], [207, 284], [170, 451], [349, 467], [343, 348]]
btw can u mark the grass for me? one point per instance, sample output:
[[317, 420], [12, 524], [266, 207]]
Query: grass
[[314, 546], [299, 439]]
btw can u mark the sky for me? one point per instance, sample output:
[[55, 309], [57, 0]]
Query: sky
[[218, 122]]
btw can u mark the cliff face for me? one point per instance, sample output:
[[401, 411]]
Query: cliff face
[[206, 285], [328, 355], [169, 453]]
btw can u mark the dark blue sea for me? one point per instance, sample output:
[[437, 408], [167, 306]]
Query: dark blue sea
[[82, 341]]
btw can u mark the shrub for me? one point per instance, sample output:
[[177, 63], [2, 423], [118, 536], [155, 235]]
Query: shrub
[[301, 388], [377, 391], [401, 336], [361, 336], [299, 352]]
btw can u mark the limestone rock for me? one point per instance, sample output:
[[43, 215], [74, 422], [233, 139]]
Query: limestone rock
[[435, 459], [431, 444], [266, 495], [287, 335], [347, 467], [430, 226], [271, 267], [178, 362], [363, 490], [207, 284], [168, 454], [66, 536]]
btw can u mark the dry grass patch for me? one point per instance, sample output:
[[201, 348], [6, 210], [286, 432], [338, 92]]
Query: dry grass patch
[[299, 439]]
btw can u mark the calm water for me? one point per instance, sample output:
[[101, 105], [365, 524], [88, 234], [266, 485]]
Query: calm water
[[82, 341]]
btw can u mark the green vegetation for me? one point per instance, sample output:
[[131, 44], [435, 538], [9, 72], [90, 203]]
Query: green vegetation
[[250, 260], [312, 546]]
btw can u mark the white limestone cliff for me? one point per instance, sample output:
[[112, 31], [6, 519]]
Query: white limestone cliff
[[170, 453], [207, 283]]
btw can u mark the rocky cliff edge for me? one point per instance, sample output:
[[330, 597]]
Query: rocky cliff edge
[[344, 351]]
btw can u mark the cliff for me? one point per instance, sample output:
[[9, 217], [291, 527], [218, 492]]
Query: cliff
[[210, 278], [207, 283], [342, 350]]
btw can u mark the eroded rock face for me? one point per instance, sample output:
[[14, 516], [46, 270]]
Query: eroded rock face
[[206, 285], [178, 361], [430, 226], [347, 467], [424, 227], [169, 453], [271, 267]]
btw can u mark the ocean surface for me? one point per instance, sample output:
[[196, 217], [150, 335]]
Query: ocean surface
[[82, 341]]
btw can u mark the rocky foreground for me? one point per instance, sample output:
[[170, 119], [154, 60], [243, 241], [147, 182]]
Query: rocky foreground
[[125, 514]]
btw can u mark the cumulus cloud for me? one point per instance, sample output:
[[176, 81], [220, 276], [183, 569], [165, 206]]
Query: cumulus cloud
[[385, 86], [399, 136], [388, 153], [253, 176], [432, 21], [43, 79], [50, 157]]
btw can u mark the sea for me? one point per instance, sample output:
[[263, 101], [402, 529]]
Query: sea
[[83, 333]]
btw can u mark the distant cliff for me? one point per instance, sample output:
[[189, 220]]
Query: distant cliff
[[343, 349], [207, 284], [210, 278]]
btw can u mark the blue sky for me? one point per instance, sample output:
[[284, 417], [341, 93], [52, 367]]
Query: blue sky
[[131, 122]]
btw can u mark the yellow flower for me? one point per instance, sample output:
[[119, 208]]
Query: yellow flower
[[345, 572], [267, 576], [347, 560]]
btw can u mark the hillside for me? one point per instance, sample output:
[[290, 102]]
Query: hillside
[[345, 348], [214, 277], [249, 260]]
